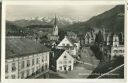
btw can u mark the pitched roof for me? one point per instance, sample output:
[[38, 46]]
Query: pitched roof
[[72, 40], [89, 35], [57, 53], [18, 47]]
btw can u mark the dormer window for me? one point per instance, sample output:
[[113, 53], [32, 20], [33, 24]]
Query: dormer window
[[65, 56]]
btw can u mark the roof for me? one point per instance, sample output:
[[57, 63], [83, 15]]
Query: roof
[[57, 53], [89, 35], [72, 40], [18, 47]]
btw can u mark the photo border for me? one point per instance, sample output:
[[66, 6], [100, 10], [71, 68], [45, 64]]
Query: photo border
[[5, 3]]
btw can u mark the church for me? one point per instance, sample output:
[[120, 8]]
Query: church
[[54, 35]]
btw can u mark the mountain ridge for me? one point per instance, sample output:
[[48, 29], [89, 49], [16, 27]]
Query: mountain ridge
[[112, 19]]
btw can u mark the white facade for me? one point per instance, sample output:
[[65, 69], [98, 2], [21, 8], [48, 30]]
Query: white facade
[[115, 40], [22, 67], [117, 51], [64, 42], [65, 62], [89, 38], [11, 68], [108, 39], [55, 30], [73, 47]]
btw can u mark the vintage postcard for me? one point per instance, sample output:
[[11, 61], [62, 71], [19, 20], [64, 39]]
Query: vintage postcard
[[0, 39], [61, 40]]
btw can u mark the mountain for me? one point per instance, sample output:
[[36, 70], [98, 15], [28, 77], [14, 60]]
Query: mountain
[[113, 20], [61, 21]]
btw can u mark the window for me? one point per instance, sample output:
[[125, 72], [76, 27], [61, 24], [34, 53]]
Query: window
[[32, 62], [28, 63], [22, 64], [70, 61], [13, 76], [65, 56], [63, 44], [60, 67], [33, 70], [6, 68], [65, 62], [37, 60], [6, 77], [13, 67], [115, 51], [46, 58], [69, 68], [68, 45], [60, 62], [22, 74], [121, 51], [27, 72], [37, 68], [42, 59], [42, 68], [46, 67]]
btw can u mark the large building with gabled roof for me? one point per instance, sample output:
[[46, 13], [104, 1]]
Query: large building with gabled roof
[[61, 60], [25, 57], [69, 44]]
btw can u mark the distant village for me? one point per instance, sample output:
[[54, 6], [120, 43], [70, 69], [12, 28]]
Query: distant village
[[33, 56]]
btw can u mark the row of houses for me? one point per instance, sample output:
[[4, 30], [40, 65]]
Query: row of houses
[[26, 57]]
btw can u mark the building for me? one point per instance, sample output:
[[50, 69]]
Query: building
[[61, 60], [115, 38], [72, 35], [117, 49], [109, 39], [25, 58], [69, 44], [54, 35], [90, 37]]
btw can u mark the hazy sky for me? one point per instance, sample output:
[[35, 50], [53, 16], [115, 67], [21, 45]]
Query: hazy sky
[[83, 12]]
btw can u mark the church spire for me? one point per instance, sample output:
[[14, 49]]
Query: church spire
[[55, 21], [55, 28]]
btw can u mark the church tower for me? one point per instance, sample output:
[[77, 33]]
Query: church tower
[[55, 28]]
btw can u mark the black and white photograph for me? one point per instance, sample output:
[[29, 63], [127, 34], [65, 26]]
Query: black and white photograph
[[0, 39], [64, 41]]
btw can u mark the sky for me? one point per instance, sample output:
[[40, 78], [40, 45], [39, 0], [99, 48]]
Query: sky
[[81, 12]]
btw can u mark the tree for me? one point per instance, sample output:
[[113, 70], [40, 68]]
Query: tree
[[121, 38], [97, 52], [99, 38]]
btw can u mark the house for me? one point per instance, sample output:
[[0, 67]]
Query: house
[[71, 34], [25, 57], [61, 60], [69, 44], [109, 39], [115, 38], [89, 37], [117, 49]]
